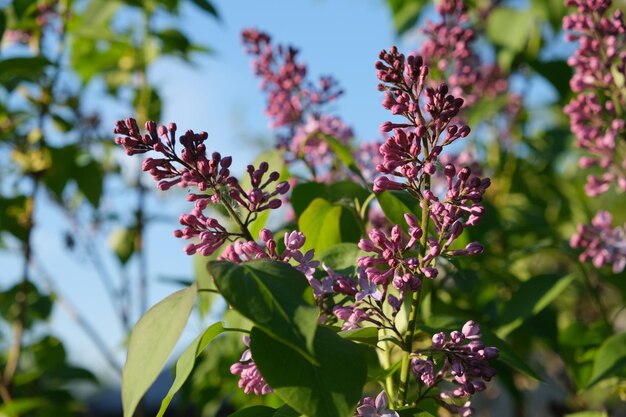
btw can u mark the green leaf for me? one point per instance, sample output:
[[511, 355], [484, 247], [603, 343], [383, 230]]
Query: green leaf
[[320, 223], [610, 360], [187, 360], [341, 257], [532, 296], [343, 153], [405, 13], [3, 23], [331, 389], [367, 335], [97, 16], [173, 42], [15, 216], [395, 204], [507, 354], [38, 305], [151, 342], [21, 406], [286, 411], [274, 295], [588, 414], [510, 28], [557, 73], [90, 180], [122, 242], [22, 69], [342, 192], [255, 411], [208, 7]]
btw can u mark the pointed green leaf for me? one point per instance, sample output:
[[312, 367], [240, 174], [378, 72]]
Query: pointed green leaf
[[507, 354], [396, 204], [274, 295], [207, 6], [532, 297], [326, 224], [610, 359], [367, 335], [255, 411], [151, 342], [187, 360], [331, 389]]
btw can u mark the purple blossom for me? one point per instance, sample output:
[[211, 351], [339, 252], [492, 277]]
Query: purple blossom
[[370, 407], [250, 379], [601, 243], [594, 114], [460, 358]]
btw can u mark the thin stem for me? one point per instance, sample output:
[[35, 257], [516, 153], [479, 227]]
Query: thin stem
[[235, 329], [414, 313]]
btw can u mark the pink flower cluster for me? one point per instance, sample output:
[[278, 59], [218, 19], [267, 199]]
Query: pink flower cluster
[[460, 358], [602, 244], [294, 104], [596, 114], [449, 44], [250, 379], [370, 407], [239, 251], [193, 167], [597, 120]]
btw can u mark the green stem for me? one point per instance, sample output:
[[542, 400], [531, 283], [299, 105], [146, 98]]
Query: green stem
[[415, 304]]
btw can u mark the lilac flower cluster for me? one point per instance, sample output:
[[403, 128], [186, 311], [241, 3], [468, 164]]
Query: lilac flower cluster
[[449, 44], [602, 244], [295, 105], [250, 379], [370, 407], [597, 119], [460, 358], [412, 153], [596, 114], [193, 167]]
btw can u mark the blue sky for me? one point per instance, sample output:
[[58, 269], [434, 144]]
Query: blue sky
[[220, 95]]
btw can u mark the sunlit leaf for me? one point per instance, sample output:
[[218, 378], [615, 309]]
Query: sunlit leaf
[[610, 360], [151, 342], [186, 362]]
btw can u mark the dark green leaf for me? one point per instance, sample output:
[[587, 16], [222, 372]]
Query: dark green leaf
[[331, 389], [187, 360], [151, 342], [286, 411], [342, 192], [274, 296], [38, 305], [90, 180], [507, 354], [405, 13], [207, 6], [22, 69], [610, 360], [557, 73], [533, 296], [255, 411], [14, 218], [3, 23]]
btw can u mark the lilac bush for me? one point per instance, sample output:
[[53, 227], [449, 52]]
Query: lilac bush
[[338, 297]]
